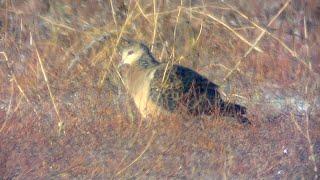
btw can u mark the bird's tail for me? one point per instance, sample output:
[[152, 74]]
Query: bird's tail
[[234, 110]]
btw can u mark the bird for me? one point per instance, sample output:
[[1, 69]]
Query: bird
[[164, 88]]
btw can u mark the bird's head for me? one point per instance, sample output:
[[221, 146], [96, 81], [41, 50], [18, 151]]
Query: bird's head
[[138, 54], [132, 53]]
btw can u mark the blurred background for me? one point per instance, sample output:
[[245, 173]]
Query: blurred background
[[64, 112]]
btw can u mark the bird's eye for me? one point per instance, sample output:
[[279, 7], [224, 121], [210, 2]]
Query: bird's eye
[[130, 52]]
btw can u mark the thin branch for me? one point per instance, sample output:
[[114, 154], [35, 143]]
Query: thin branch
[[263, 32], [141, 154], [55, 106], [230, 29], [115, 49], [113, 13], [20, 89], [236, 67], [155, 23]]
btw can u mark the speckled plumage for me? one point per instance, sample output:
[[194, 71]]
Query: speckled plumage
[[162, 88]]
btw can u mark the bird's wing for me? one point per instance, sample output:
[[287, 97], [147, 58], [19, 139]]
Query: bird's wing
[[171, 86]]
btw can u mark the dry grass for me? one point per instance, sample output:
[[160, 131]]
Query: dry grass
[[64, 112]]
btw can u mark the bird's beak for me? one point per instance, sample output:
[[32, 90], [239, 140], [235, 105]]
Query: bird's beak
[[122, 61], [120, 64]]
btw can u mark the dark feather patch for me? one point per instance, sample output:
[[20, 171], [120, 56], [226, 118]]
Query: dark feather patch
[[181, 85]]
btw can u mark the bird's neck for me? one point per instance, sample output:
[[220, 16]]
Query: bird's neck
[[146, 61]]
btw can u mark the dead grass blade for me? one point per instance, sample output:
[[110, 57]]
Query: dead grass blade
[[140, 155], [230, 29], [55, 106]]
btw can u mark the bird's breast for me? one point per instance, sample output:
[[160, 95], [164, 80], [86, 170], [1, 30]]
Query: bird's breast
[[138, 85]]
